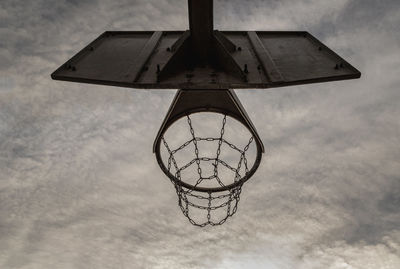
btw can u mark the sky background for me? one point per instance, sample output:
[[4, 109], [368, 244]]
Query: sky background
[[80, 186]]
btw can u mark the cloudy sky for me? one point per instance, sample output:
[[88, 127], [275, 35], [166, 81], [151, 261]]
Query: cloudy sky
[[80, 187]]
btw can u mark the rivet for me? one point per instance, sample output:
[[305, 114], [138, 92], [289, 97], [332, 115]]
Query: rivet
[[239, 48], [91, 48], [168, 49], [319, 48]]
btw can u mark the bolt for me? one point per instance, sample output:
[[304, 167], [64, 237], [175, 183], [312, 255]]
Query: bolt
[[73, 68], [239, 48], [336, 66], [168, 49], [158, 68], [91, 48], [319, 48], [341, 65], [245, 69], [259, 67]]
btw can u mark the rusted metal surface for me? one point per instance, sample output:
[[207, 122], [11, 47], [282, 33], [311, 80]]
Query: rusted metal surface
[[115, 59], [225, 60], [134, 71], [265, 59], [229, 45], [175, 59]]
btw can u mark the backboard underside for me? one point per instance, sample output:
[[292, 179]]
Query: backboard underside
[[266, 59]]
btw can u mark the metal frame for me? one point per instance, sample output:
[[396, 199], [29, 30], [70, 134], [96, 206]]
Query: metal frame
[[201, 26], [265, 58], [217, 101], [202, 46], [223, 49]]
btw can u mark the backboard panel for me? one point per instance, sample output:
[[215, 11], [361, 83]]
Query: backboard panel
[[269, 59]]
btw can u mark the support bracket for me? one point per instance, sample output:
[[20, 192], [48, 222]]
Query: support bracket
[[225, 102]]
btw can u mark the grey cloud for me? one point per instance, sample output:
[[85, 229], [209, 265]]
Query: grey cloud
[[79, 185]]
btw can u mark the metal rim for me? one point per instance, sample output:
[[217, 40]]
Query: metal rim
[[240, 182]]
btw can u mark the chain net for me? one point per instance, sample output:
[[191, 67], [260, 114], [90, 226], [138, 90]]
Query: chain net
[[205, 203]]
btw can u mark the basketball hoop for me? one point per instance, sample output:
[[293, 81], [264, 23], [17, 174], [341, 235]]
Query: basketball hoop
[[207, 180], [204, 63]]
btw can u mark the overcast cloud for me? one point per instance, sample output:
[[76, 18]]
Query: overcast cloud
[[80, 187]]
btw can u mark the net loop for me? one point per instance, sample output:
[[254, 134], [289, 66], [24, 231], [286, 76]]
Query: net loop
[[191, 198]]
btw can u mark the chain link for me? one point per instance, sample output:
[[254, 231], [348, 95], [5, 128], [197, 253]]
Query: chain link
[[219, 152], [188, 198]]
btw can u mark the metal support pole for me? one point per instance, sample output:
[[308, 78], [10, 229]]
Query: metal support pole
[[201, 27]]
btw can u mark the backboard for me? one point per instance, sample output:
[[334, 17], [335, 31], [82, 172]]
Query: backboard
[[159, 60]]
